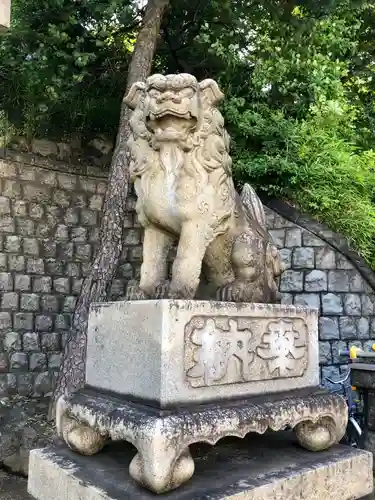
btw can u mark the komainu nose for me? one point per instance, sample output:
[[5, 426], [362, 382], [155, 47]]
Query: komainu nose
[[169, 96]]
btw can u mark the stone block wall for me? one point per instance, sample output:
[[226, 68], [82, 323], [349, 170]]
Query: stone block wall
[[322, 272], [48, 233], [49, 228]]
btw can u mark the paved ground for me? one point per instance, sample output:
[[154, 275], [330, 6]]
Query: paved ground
[[13, 487]]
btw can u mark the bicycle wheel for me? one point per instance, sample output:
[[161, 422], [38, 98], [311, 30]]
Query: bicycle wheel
[[354, 435]]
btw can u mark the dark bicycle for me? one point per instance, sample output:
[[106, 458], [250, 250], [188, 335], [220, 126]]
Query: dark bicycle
[[355, 431]]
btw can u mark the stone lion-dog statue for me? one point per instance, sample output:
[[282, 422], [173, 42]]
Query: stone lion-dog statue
[[178, 151]]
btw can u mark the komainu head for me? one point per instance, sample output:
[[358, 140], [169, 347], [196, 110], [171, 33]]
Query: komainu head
[[173, 102], [180, 110]]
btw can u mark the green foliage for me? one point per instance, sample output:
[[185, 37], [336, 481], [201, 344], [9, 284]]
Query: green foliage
[[298, 77], [309, 163], [295, 126], [64, 62]]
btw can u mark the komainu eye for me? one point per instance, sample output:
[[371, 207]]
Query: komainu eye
[[154, 93], [188, 92]]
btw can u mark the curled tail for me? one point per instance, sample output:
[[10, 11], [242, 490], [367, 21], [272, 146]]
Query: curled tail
[[273, 265], [253, 205]]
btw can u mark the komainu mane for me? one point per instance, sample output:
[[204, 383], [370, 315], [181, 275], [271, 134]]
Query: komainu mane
[[181, 167]]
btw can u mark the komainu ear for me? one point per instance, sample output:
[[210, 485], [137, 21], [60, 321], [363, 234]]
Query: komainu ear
[[211, 92], [136, 91]]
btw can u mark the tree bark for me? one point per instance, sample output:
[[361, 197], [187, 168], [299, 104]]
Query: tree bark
[[96, 286]]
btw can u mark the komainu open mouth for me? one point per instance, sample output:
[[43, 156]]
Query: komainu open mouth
[[170, 112]]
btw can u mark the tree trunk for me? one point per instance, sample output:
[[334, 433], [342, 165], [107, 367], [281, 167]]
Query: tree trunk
[[96, 286]]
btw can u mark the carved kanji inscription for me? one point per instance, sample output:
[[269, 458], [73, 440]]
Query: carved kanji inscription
[[228, 350]]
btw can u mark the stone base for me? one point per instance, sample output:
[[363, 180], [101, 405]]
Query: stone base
[[370, 442], [164, 462], [169, 353], [255, 468]]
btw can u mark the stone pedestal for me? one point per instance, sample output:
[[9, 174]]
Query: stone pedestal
[[265, 467], [163, 375], [162, 438], [170, 352]]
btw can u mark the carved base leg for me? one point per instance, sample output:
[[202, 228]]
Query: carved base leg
[[160, 470], [317, 436], [81, 438], [163, 461]]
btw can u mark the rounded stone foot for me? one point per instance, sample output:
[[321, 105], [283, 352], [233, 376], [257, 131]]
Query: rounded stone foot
[[85, 441], [317, 436], [81, 438], [161, 475]]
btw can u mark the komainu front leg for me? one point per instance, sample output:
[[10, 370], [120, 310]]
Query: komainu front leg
[[187, 266], [153, 284]]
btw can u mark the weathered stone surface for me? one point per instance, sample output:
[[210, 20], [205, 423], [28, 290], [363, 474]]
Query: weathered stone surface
[[316, 281], [287, 299], [291, 281], [337, 348], [328, 328], [293, 237], [12, 244], [348, 328], [215, 230], [42, 285], [10, 300], [6, 282], [61, 285], [311, 240], [311, 300], [163, 461], [338, 281], [23, 426], [303, 258], [352, 304], [49, 303], [12, 341], [29, 302], [19, 362], [31, 246], [161, 336], [35, 266], [332, 304], [255, 468], [342, 262], [3, 262], [30, 341], [22, 282], [363, 328], [51, 341], [16, 263], [37, 362], [43, 323], [23, 321], [367, 305], [325, 355], [285, 256], [44, 147], [356, 283], [4, 205]]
